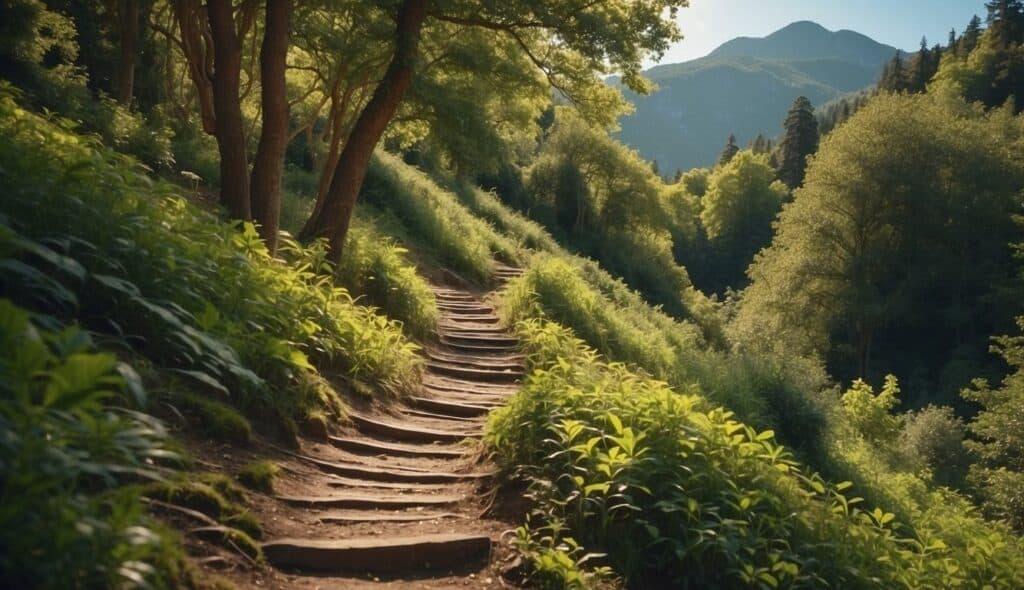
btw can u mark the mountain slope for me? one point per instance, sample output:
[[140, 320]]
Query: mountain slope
[[745, 87]]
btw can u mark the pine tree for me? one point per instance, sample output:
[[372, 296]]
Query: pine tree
[[728, 151], [799, 140], [969, 40], [920, 68], [893, 77], [951, 43], [759, 145], [655, 169]]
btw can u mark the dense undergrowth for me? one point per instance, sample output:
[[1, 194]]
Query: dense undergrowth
[[88, 235], [671, 492], [67, 455], [764, 391], [213, 325]]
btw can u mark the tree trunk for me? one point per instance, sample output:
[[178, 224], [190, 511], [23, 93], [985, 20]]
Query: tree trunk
[[333, 218], [128, 35], [268, 166], [192, 22], [230, 133]]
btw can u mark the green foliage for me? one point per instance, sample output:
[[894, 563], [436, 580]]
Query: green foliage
[[676, 494], [869, 415], [769, 391], [259, 476], [910, 201], [991, 69], [737, 212], [799, 140], [66, 455], [436, 222], [194, 295], [608, 204], [998, 436], [375, 270], [932, 440]]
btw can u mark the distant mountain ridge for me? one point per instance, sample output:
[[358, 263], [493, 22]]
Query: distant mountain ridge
[[745, 87]]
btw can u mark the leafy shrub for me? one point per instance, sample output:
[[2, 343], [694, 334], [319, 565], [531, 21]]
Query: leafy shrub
[[678, 495], [87, 234], [868, 415], [66, 456], [998, 436], [932, 439]]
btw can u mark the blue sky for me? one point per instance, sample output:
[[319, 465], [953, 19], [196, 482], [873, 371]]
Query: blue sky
[[706, 24]]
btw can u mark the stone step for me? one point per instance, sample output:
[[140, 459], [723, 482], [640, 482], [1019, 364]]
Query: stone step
[[377, 447], [495, 339], [354, 516], [483, 318], [471, 387], [337, 481], [505, 358], [376, 554], [449, 408], [481, 347], [482, 364], [435, 416], [409, 432], [392, 474], [466, 306], [486, 375], [372, 501]]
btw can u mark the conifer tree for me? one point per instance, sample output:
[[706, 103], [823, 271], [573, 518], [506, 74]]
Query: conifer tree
[[799, 140], [728, 151], [969, 40]]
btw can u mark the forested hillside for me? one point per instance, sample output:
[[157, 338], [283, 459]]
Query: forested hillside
[[700, 102], [358, 295]]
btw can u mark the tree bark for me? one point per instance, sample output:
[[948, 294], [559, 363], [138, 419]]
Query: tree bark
[[128, 35], [230, 133], [268, 165], [332, 220], [192, 22]]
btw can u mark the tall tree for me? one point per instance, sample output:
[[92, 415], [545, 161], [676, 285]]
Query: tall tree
[[800, 139], [729, 151], [268, 165], [737, 211], [128, 14], [568, 43], [969, 40], [894, 75], [877, 254]]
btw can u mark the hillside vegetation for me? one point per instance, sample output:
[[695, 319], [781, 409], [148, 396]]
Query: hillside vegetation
[[234, 234]]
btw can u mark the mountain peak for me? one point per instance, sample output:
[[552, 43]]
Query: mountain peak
[[807, 40]]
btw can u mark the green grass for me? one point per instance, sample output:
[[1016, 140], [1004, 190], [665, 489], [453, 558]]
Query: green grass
[[376, 270], [677, 493], [259, 476], [435, 224]]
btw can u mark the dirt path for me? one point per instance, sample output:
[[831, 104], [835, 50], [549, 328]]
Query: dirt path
[[400, 500]]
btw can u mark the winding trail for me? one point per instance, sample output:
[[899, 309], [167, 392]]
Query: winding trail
[[400, 503]]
